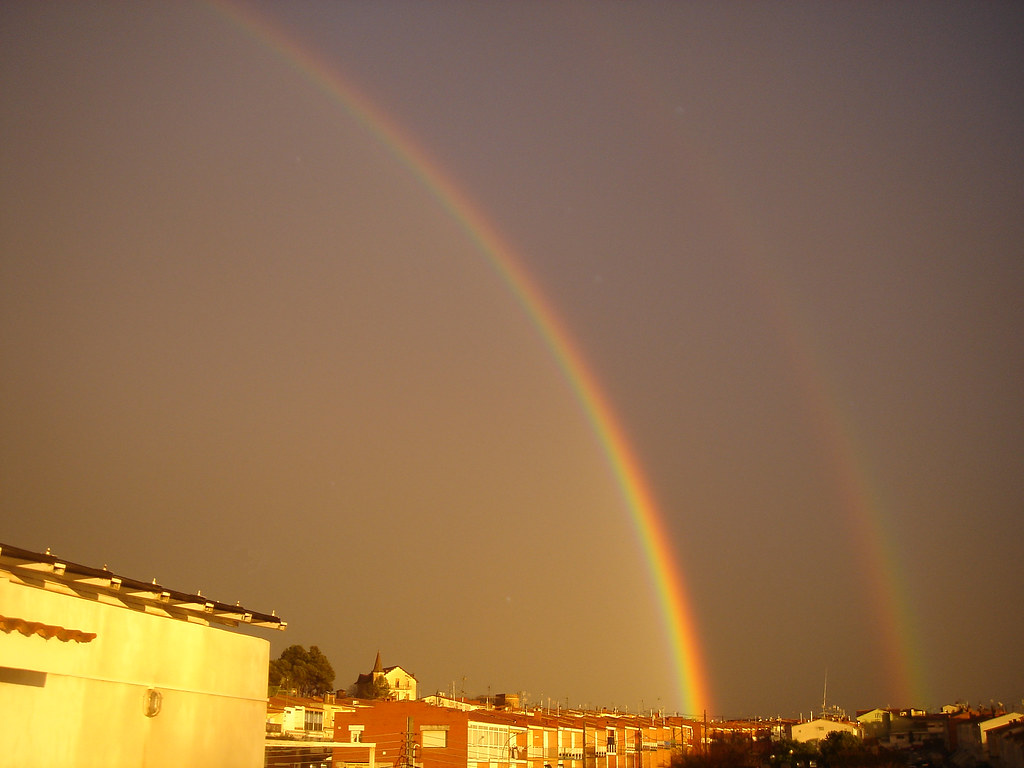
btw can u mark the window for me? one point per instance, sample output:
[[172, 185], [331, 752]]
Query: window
[[434, 735], [314, 720], [495, 743], [355, 733]]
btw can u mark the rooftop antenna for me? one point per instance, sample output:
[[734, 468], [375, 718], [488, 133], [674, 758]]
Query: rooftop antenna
[[824, 693]]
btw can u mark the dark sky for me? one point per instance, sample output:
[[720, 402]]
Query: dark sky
[[246, 349]]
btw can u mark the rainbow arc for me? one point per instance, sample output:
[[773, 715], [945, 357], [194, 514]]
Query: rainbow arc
[[665, 572]]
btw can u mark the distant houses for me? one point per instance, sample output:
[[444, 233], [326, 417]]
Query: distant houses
[[965, 737], [152, 678], [436, 735], [442, 731], [994, 739], [908, 729]]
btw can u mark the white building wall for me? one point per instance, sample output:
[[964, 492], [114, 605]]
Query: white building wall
[[996, 722], [84, 704], [819, 729], [402, 684]]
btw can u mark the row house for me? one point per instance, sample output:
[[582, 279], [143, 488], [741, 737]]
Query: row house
[[414, 734], [299, 717], [1006, 745], [299, 730], [741, 730], [973, 734], [292, 718], [908, 728]]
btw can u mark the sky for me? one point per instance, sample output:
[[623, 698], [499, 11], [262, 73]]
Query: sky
[[312, 306]]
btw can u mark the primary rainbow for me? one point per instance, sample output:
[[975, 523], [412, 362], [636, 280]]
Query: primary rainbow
[[665, 572]]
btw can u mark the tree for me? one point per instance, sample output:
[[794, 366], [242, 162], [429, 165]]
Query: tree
[[307, 673], [379, 689], [844, 750], [376, 687], [840, 748], [724, 751], [787, 753]]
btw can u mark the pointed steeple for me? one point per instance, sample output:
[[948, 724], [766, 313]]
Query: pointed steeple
[[378, 668]]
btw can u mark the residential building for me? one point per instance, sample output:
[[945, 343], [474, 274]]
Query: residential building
[[875, 723], [300, 730], [1006, 745], [441, 700], [407, 732], [298, 717], [907, 728], [741, 730], [815, 730], [150, 674], [995, 722], [401, 683], [973, 734]]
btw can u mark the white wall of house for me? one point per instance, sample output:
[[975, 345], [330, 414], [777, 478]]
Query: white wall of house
[[85, 704], [439, 700], [814, 730], [401, 683], [996, 722], [293, 719]]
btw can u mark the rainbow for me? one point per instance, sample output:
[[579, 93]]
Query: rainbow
[[861, 502], [665, 572], [864, 508]]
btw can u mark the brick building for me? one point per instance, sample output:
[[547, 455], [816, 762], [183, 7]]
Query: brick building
[[414, 733]]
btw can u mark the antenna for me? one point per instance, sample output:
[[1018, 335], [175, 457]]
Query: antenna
[[824, 693]]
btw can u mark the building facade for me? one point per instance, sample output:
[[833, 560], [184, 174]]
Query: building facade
[[149, 677], [816, 730], [401, 684], [414, 733]]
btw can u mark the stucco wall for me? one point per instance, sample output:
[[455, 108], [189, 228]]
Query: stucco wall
[[819, 729], [88, 705], [402, 684]]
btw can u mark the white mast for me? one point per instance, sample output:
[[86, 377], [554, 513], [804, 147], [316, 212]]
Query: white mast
[[824, 693]]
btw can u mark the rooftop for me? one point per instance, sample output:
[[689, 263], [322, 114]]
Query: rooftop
[[48, 571]]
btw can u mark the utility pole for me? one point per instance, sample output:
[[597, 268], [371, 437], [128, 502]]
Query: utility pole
[[704, 738], [407, 757]]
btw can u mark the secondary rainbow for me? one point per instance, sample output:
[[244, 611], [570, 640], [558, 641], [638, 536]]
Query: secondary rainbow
[[666, 575], [864, 508], [860, 499]]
